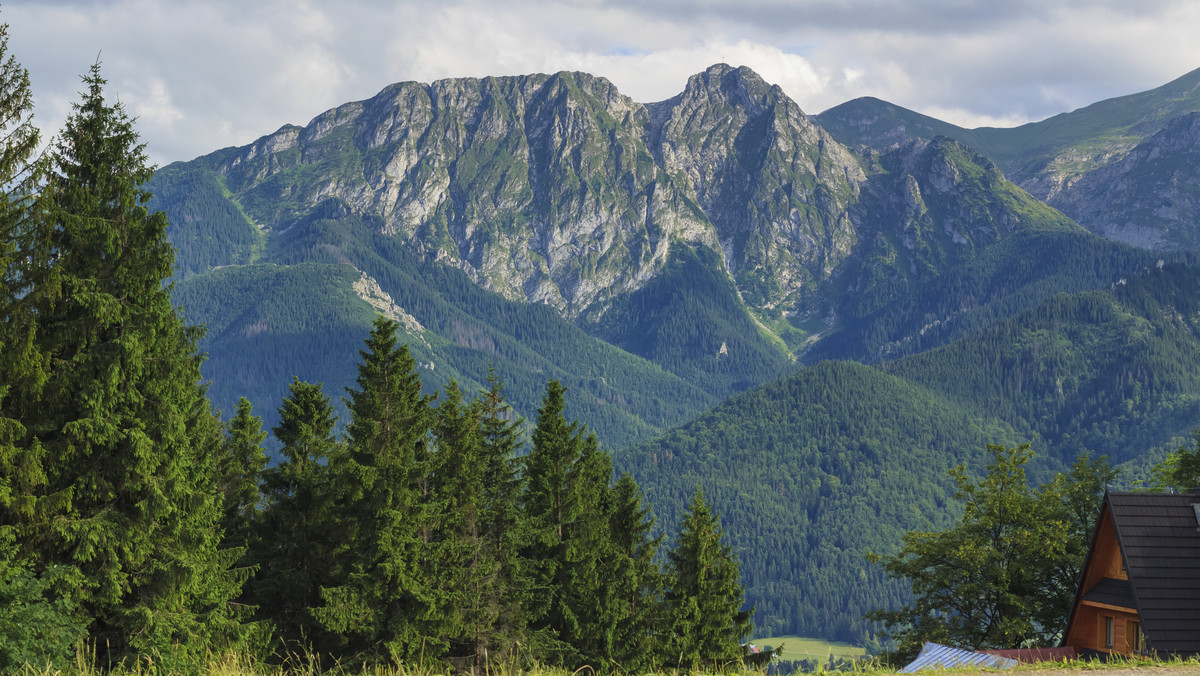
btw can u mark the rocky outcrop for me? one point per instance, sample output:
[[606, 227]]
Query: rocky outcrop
[[558, 189], [1150, 197], [776, 186]]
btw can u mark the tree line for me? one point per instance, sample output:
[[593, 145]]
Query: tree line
[[135, 523]]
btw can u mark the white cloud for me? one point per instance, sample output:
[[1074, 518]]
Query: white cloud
[[154, 107], [203, 74]]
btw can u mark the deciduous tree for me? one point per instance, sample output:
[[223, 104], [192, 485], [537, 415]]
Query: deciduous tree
[[1005, 573], [1180, 470]]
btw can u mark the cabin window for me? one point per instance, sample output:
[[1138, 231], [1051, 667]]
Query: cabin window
[[1108, 632], [1137, 640]]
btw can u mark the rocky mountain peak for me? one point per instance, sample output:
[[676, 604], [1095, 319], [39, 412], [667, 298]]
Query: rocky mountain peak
[[741, 88]]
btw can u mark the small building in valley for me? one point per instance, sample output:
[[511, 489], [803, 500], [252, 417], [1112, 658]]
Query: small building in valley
[[1140, 587]]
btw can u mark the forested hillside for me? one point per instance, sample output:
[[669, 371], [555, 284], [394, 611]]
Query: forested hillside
[[808, 474], [268, 322], [812, 471]]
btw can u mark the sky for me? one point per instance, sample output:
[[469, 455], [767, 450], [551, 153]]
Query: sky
[[200, 75]]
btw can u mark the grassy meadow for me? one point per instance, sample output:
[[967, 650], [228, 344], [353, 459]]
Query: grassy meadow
[[803, 648]]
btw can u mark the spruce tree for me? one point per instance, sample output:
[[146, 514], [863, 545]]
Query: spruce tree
[[239, 471], [23, 253], [128, 437], [566, 502], [635, 582], [504, 529], [460, 563], [381, 601], [705, 595], [299, 531]]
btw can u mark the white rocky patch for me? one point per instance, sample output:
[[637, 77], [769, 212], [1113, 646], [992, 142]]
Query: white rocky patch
[[369, 290]]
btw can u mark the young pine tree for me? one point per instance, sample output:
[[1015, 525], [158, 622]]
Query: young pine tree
[[381, 601], [706, 596], [125, 426]]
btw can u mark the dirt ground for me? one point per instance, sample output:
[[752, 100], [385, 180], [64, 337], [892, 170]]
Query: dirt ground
[[1186, 670]]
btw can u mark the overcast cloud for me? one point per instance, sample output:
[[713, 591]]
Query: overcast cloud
[[201, 75]]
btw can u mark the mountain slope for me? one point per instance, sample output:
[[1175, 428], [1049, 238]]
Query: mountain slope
[[1071, 160], [812, 471], [302, 315], [659, 258]]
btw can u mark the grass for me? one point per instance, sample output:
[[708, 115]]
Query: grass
[[306, 666], [802, 648]]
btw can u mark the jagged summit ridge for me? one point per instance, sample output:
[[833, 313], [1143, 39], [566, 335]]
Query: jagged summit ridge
[[559, 189]]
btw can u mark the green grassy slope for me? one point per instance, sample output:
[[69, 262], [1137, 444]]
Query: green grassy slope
[[1022, 151]]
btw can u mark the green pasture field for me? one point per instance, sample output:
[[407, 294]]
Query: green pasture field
[[802, 648]]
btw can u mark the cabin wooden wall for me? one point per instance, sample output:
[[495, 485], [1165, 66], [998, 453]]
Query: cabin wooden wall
[[1087, 628]]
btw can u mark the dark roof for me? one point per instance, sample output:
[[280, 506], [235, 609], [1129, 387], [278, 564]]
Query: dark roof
[[1160, 541], [1111, 592]]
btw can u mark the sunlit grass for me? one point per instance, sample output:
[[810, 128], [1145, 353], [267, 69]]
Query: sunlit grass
[[803, 648]]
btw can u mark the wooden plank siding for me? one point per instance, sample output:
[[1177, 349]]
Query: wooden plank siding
[[1142, 574]]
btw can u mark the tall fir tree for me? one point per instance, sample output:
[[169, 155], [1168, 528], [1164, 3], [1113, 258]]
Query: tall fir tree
[[635, 582], [566, 502], [23, 262], [239, 472], [460, 563], [381, 603], [705, 594], [502, 598], [299, 532], [121, 417]]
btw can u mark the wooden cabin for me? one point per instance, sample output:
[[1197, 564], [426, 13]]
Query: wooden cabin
[[1139, 591]]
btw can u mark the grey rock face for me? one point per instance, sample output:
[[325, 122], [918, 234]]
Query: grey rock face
[[559, 189], [776, 186], [538, 187], [1148, 198]]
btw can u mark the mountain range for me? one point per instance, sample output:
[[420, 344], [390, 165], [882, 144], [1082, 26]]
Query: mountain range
[[812, 317]]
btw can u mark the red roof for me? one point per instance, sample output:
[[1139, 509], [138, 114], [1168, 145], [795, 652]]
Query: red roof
[[1031, 655]]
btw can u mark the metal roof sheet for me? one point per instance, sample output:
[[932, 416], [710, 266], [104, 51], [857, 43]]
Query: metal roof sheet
[[937, 656]]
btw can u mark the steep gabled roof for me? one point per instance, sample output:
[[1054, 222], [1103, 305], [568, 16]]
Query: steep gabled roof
[[1160, 541]]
